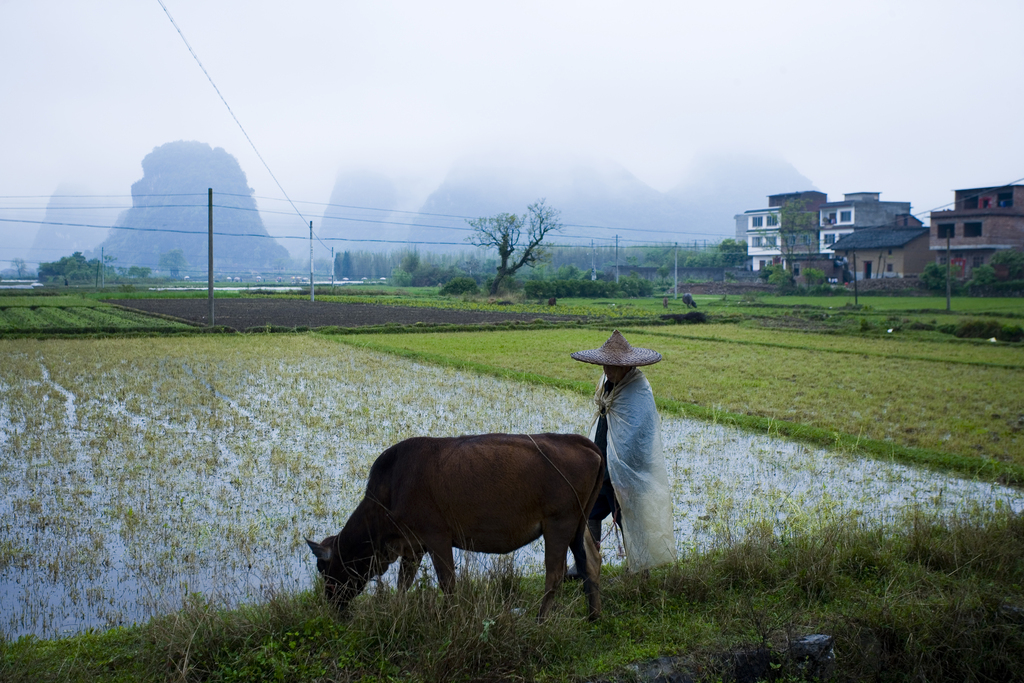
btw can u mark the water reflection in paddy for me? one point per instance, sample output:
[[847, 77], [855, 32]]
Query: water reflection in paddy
[[137, 472]]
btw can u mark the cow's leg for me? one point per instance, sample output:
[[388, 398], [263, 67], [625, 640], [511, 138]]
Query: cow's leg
[[444, 564], [556, 544], [585, 552], [407, 570]]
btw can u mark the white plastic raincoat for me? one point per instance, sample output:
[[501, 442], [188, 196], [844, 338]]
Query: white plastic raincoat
[[637, 469]]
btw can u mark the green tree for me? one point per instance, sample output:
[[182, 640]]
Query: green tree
[[732, 252], [505, 232], [173, 261], [74, 268], [343, 265], [934, 277], [814, 276], [1013, 259], [20, 267], [797, 230], [983, 276]]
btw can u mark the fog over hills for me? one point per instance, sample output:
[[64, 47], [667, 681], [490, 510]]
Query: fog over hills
[[588, 192], [71, 203], [172, 195], [717, 187]]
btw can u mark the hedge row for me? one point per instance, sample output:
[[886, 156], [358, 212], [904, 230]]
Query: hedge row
[[588, 289]]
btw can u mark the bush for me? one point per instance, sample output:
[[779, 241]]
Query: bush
[[460, 285], [561, 289], [401, 278], [1013, 259], [779, 276], [988, 329], [934, 278], [635, 287], [814, 276], [983, 276]]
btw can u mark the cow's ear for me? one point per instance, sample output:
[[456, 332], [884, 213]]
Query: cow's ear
[[322, 552]]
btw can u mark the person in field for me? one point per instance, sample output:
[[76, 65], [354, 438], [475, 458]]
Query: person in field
[[627, 429]]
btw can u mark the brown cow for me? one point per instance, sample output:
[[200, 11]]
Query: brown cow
[[491, 493]]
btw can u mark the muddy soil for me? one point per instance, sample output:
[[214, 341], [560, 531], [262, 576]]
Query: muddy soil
[[245, 314]]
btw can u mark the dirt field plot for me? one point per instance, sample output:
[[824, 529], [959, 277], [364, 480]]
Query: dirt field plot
[[245, 314]]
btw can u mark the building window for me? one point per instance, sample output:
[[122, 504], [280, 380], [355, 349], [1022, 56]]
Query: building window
[[796, 269], [773, 219], [944, 230], [756, 221], [832, 218], [770, 241], [942, 260], [756, 241], [1004, 200], [890, 252], [845, 216], [888, 267], [762, 263], [971, 203], [972, 229], [830, 238], [977, 261]]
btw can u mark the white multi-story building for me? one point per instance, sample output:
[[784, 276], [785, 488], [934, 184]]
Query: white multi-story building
[[834, 220], [759, 228], [860, 210]]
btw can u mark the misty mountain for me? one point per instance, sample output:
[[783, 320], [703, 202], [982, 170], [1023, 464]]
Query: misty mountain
[[588, 192], [599, 199], [367, 205], [71, 204], [717, 187], [172, 196]]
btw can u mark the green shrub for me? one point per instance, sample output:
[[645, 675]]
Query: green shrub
[[814, 276], [1013, 259], [584, 289], [779, 276], [983, 276], [460, 285], [978, 329], [635, 287], [934, 278], [1011, 333]]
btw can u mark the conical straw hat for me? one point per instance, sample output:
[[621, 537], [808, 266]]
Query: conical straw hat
[[617, 351]]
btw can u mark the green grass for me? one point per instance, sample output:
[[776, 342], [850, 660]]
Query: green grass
[[922, 600], [77, 319]]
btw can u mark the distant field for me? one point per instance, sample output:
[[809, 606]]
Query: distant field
[[74, 315], [937, 400]]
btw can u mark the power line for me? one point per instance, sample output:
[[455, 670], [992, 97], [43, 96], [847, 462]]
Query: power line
[[222, 99]]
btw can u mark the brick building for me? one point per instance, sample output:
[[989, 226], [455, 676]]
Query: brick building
[[884, 252], [983, 220]]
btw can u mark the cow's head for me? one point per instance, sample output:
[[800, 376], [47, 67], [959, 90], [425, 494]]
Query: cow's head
[[345, 572]]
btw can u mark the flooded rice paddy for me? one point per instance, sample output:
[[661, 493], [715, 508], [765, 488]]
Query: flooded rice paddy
[[138, 472]]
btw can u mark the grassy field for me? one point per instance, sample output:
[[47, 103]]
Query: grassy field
[[20, 315]]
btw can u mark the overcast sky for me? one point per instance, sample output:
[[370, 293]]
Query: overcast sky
[[912, 99]]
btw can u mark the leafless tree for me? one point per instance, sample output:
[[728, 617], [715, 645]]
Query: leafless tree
[[505, 233]]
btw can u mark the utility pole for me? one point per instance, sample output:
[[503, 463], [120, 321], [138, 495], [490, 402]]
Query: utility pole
[[675, 278], [616, 259], [103, 271], [854, 278], [949, 265], [593, 262], [332, 271], [209, 250], [311, 295]]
